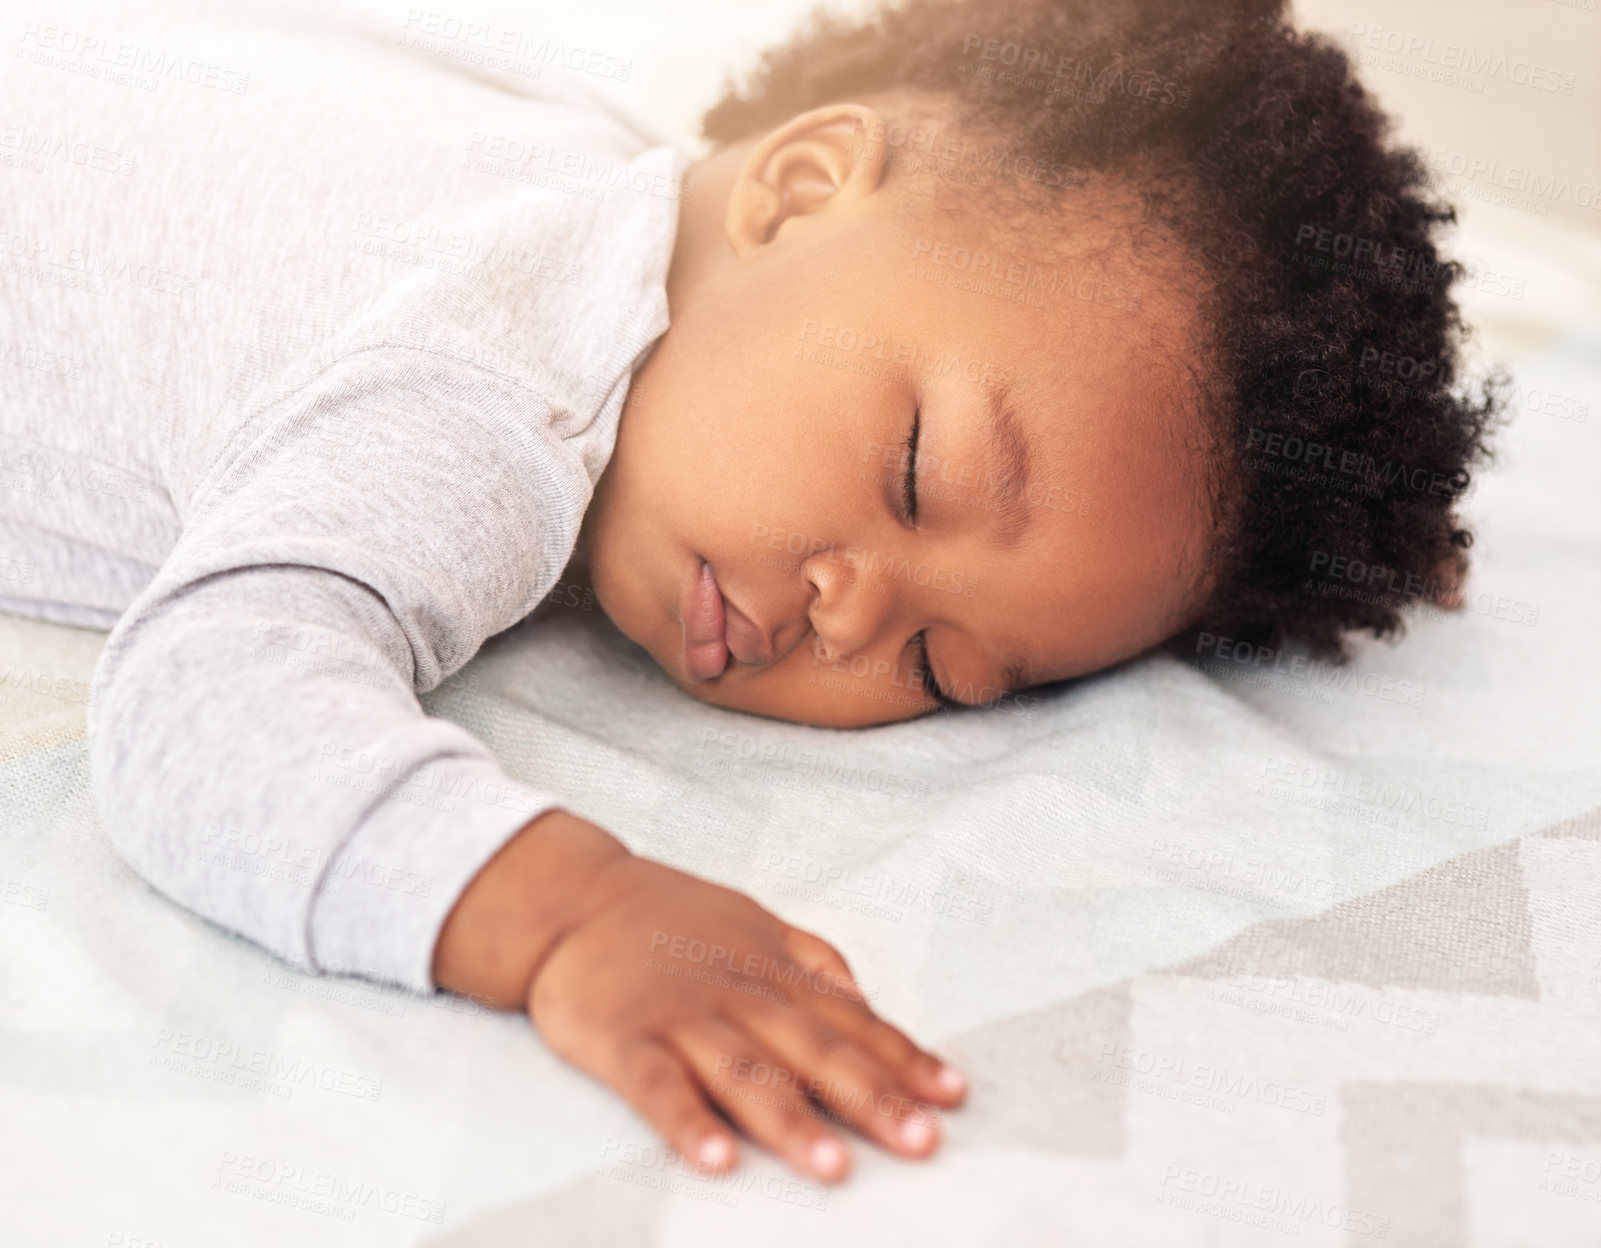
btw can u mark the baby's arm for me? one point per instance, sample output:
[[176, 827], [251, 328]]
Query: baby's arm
[[673, 990], [256, 744], [259, 754]]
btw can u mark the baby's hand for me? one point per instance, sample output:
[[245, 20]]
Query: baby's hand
[[684, 995]]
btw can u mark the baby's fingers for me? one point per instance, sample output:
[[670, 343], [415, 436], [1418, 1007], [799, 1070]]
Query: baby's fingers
[[838, 998], [846, 1078], [653, 1079], [754, 1089], [920, 1070]]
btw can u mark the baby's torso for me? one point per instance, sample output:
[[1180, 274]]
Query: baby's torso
[[201, 212]]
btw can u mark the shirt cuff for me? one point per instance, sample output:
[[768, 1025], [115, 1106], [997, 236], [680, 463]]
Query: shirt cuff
[[382, 901]]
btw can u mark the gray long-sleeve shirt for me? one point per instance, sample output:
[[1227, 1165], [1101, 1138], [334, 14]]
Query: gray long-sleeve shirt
[[313, 343]]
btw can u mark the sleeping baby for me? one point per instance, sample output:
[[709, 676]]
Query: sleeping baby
[[988, 346]]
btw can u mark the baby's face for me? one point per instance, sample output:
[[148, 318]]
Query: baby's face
[[838, 357]]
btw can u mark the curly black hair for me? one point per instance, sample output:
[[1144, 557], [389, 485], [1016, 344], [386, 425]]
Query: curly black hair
[[1343, 431]]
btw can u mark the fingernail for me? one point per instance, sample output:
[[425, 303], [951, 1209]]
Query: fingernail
[[951, 1080], [827, 1156], [917, 1133], [713, 1151]]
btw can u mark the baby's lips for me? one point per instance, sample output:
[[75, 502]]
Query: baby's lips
[[706, 660], [705, 649]]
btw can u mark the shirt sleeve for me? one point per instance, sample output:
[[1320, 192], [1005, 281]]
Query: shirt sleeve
[[257, 749]]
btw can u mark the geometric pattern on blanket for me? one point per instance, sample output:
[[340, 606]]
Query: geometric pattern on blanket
[[1389, 998]]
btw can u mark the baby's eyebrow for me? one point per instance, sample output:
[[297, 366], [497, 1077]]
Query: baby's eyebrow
[[1009, 445]]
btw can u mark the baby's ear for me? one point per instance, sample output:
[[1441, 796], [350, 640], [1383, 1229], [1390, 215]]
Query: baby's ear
[[1448, 581]]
